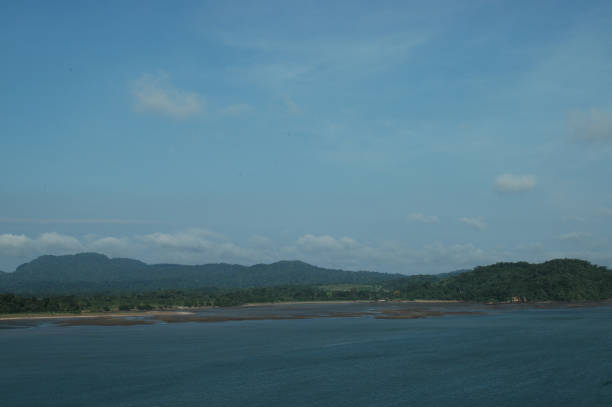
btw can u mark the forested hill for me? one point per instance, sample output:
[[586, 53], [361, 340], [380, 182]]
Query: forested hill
[[554, 280], [92, 272], [89, 273]]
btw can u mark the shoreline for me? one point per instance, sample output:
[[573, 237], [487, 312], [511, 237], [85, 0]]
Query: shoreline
[[188, 310], [264, 304], [110, 314], [261, 304], [185, 312]]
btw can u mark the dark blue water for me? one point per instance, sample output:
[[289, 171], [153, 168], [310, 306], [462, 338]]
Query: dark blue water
[[527, 357]]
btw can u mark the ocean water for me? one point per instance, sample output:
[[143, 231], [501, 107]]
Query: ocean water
[[506, 357]]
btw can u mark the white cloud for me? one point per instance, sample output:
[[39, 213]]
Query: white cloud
[[591, 125], [46, 243], [13, 245], [236, 110], [54, 242], [515, 183], [189, 240], [196, 246], [199, 246], [112, 246], [476, 223], [155, 93], [419, 217]]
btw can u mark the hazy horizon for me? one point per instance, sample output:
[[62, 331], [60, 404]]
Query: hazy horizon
[[397, 137], [239, 264]]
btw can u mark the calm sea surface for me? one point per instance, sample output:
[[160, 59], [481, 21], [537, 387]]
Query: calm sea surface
[[507, 357]]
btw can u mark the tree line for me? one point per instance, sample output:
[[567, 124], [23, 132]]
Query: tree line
[[166, 299], [555, 280]]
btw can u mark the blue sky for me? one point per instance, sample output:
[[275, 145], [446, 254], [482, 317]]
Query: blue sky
[[409, 137]]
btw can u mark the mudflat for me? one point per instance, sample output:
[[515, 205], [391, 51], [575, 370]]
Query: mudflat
[[286, 311]]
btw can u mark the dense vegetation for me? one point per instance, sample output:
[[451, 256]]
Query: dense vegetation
[[95, 273], [11, 303], [555, 280]]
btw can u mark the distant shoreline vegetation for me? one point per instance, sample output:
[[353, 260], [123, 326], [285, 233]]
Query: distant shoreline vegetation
[[94, 283]]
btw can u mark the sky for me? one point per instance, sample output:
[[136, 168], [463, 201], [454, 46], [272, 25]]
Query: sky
[[407, 137]]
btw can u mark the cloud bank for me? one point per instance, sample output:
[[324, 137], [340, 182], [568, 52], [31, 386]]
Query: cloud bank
[[514, 183], [476, 223], [24, 246], [156, 93], [199, 246]]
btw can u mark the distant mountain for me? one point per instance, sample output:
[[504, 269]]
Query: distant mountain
[[93, 272], [554, 280]]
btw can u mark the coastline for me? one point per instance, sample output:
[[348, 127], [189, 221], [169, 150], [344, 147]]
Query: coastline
[[110, 314], [186, 314], [189, 311], [258, 304], [266, 304]]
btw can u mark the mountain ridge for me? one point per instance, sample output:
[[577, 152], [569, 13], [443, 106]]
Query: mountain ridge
[[95, 272]]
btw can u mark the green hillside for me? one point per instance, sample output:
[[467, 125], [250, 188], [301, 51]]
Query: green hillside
[[554, 280], [92, 272], [93, 281]]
